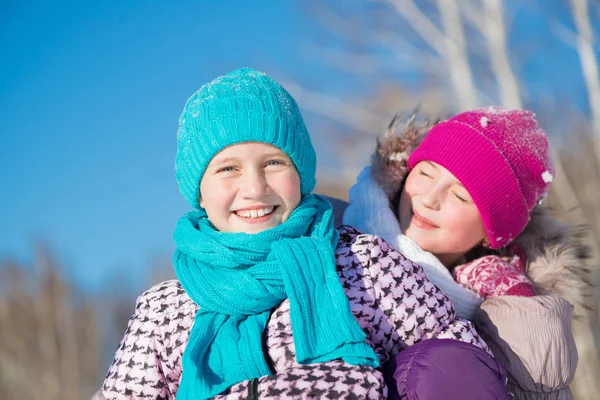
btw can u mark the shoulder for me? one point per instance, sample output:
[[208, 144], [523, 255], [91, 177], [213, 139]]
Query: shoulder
[[353, 260], [339, 206], [532, 337], [509, 308], [515, 321], [352, 240], [164, 298], [370, 251]]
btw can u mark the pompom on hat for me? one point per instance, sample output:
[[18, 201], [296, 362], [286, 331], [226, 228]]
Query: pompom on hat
[[244, 105], [502, 158]]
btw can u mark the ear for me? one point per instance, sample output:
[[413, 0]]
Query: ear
[[485, 242], [200, 202]]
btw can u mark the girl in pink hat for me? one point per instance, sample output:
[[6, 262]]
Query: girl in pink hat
[[463, 199]]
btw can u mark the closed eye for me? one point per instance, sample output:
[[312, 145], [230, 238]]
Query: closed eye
[[421, 172], [458, 196]]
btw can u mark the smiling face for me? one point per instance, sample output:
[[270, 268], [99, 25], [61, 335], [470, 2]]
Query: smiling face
[[249, 187], [436, 211]]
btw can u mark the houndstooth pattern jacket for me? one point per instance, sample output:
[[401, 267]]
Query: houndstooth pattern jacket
[[390, 297]]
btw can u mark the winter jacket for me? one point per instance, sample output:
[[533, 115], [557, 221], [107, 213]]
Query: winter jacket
[[445, 369], [390, 297], [530, 336]]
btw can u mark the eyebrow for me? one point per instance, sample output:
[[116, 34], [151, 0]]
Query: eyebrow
[[226, 160], [276, 154]]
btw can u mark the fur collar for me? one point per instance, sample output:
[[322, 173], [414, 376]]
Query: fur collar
[[556, 255]]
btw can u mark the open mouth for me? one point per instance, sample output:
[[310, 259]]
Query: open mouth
[[256, 214]]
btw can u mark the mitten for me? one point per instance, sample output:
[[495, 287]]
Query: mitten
[[492, 275]]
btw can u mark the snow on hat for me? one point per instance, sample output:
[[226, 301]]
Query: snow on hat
[[501, 157], [244, 105]]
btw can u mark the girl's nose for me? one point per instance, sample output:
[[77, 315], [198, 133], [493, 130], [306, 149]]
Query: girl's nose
[[254, 185], [431, 196]]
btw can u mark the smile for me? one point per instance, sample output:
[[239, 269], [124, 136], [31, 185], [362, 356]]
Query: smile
[[422, 222], [255, 213]]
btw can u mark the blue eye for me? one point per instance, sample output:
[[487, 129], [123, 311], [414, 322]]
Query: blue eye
[[275, 162], [225, 169]]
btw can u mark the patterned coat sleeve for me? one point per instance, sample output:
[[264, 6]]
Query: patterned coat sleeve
[[394, 301], [328, 380], [147, 363]]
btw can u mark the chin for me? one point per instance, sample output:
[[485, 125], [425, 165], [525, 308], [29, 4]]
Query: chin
[[260, 228], [423, 244], [254, 230]]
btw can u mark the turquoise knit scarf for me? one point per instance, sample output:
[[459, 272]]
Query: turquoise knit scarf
[[237, 279]]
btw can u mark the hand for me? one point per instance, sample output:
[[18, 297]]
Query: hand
[[492, 276]]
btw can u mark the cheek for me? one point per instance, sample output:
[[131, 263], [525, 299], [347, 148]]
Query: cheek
[[403, 211], [414, 184], [466, 225], [409, 190], [287, 186], [215, 195]]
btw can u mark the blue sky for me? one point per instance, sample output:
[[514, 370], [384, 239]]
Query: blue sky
[[90, 97], [90, 94]]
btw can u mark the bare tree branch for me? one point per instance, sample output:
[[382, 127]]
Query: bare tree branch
[[420, 23], [563, 33], [495, 33], [457, 54], [407, 52], [333, 21], [474, 14], [337, 110], [343, 60], [589, 63], [449, 44]]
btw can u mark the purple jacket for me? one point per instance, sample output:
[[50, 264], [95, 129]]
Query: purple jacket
[[445, 369]]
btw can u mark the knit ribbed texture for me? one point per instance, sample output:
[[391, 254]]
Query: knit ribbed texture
[[237, 278], [242, 106], [501, 157], [522, 289]]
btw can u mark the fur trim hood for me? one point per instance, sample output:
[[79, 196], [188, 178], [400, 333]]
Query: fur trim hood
[[556, 255]]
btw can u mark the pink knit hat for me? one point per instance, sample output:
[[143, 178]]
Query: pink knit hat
[[501, 157]]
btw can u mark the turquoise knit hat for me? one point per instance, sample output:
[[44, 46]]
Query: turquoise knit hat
[[242, 106]]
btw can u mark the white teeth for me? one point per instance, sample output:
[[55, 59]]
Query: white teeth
[[255, 213]]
